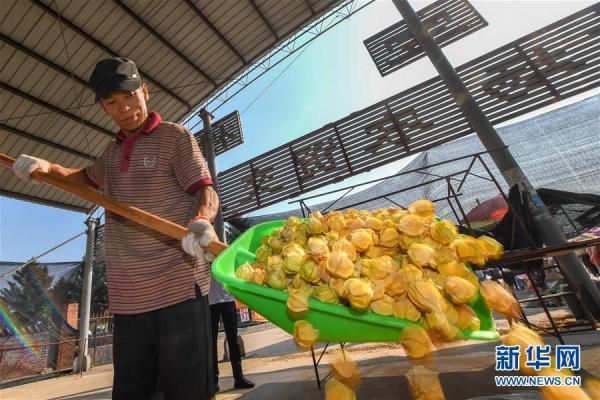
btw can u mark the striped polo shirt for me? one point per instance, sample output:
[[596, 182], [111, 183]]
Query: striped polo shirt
[[157, 169]]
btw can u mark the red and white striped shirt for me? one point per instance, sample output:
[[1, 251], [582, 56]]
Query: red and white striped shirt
[[158, 170]]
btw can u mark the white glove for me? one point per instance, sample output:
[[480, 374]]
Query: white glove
[[200, 234], [24, 165]]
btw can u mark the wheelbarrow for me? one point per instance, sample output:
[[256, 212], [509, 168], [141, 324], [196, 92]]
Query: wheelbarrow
[[336, 322]]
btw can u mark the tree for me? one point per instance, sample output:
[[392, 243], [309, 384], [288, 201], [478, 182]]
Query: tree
[[68, 289], [26, 294], [99, 289], [62, 291]]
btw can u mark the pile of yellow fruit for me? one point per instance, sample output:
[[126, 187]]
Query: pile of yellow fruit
[[524, 337], [395, 262]]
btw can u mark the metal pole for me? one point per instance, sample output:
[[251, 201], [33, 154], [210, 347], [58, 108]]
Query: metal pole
[[86, 297], [207, 140], [543, 221]]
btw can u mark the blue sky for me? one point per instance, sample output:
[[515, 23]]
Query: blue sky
[[332, 78]]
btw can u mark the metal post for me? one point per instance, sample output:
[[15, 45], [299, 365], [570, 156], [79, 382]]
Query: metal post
[[83, 358], [207, 140], [60, 347], [544, 223], [95, 338], [544, 306]]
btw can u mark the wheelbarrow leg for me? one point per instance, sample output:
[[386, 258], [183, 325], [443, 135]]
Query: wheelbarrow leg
[[317, 362], [315, 365]]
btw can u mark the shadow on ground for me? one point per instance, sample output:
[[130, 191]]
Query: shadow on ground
[[385, 378], [467, 373], [456, 386], [97, 394]]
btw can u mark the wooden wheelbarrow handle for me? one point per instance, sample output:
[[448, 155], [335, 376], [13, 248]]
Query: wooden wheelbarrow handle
[[125, 210]]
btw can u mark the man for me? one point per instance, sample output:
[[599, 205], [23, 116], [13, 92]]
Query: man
[[222, 306], [157, 292]]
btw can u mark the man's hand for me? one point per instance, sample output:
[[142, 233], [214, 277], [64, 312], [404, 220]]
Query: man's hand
[[200, 234], [24, 165]]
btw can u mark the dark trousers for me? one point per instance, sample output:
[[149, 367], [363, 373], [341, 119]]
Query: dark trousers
[[227, 312], [170, 345]]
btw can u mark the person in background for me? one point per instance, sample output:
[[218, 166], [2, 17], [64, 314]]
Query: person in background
[[157, 287], [593, 259], [222, 306]]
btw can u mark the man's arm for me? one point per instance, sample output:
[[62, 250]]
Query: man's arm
[[24, 165], [74, 175], [208, 204]]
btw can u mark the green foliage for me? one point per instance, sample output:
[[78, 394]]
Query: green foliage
[[63, 290], [68, 289], [99, 290], [26, 294]]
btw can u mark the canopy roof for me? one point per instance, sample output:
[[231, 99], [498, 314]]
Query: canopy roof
[[185, 50]]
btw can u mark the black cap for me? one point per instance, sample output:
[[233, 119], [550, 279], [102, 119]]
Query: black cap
[[114, 75]]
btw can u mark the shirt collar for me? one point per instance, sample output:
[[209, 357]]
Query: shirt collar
[[151, 123]]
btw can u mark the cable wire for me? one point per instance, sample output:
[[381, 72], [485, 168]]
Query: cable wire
[[274, 80], [74, 89], [40, 256]]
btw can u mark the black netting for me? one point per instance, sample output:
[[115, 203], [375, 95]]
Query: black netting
[[575, 213]]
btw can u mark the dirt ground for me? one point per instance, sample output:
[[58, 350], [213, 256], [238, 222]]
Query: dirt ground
[[282, 371]]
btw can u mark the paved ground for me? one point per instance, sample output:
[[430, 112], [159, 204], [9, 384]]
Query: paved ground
[[282, 372]]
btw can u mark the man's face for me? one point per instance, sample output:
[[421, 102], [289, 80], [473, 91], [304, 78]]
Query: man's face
[[127, 109]]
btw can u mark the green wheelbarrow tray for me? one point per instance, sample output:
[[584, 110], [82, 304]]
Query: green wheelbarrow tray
[[336, 323]]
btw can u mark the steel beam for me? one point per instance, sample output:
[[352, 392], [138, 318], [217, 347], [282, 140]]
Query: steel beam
[[53, 108], [310, 7], [43, 141], [217, 32], [165, 42], [42, 201], [98, 44], [264, 19], [41, 59], [266, 62]]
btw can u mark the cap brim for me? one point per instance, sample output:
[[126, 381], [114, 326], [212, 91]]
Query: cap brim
[[118, 86]]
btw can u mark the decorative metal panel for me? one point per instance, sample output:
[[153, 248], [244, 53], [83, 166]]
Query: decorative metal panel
[[551, 64], [447, 21], [227, 134]]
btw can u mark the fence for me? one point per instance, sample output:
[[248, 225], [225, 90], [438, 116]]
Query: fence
[[34, 352]]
